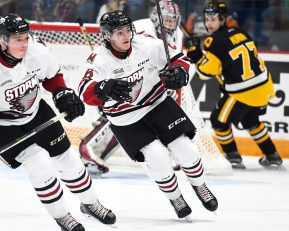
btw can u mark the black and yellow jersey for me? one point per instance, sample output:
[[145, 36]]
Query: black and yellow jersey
[[231, 56]]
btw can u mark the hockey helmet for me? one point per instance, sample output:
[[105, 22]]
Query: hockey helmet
[[114, 20], [13, 24], [216, 8], [170, 14]]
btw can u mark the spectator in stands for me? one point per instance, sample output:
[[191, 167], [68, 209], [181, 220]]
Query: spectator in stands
[[137, 9], [86, 9], [110, 5], [6, 6], [258, 9]]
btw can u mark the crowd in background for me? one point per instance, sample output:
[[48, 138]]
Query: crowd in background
[[266, 20]]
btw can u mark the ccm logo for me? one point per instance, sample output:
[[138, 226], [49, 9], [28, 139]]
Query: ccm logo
[[53, 142], [176, 122]]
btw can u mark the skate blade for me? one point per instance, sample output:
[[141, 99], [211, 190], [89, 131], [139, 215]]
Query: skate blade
[[114, 226], [188, 219], [275, 167], [238, 166]]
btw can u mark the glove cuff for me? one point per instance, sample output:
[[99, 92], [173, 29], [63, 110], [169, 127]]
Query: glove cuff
[[98, 90]]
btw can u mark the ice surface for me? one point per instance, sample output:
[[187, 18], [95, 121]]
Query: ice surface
[[252, 199]]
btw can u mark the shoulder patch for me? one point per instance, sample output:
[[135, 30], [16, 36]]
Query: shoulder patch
[[208, 41]]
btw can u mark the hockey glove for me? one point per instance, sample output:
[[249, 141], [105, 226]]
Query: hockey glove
[[192, 45], [174, 77], [67, 101], [113, 89]]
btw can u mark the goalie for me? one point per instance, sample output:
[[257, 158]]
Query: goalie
[[97, 146]]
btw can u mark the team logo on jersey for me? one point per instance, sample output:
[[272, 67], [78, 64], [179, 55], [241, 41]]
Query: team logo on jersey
[[91, 58], [137, 79], [208, 41], [22, 97]]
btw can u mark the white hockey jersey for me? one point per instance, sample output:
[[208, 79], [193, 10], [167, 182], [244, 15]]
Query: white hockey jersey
[[147, 57], [20, 85], [176, 40]]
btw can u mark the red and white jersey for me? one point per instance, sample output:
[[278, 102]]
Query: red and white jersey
[[175, 41], [20, 85], [146, 58]]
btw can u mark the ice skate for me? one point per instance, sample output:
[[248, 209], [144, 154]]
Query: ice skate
[[68, 223], [181, 207], [271, 160], [235, 159], [207, 198], [99, 212]]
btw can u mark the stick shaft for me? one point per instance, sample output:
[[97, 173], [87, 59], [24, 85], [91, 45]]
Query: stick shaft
[[85, 34], [163, 33], [32, 132]]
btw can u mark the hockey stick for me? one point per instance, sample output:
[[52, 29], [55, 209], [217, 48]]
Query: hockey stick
[[32, 132], [85, 33], [163, 33]]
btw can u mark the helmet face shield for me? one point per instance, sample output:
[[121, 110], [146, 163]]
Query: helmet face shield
[[171, 22], [124, 32], [170, 14]]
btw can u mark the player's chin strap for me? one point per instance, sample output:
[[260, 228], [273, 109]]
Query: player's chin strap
[[8, 58]]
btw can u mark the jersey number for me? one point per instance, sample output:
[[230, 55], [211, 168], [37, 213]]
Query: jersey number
[[243, 51]]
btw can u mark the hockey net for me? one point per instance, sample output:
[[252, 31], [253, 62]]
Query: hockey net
[[68, 38]]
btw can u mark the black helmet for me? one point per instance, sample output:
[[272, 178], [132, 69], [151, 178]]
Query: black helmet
[[13, 24], [114, 20], [215, 7]]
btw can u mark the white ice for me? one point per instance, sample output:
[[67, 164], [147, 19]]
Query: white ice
[[255, 199]]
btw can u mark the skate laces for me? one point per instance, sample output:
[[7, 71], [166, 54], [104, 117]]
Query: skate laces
[[67, 221], [98, 209], [179, 203], [204, 193]]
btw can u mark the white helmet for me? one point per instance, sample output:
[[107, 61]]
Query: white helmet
[[170, 14]]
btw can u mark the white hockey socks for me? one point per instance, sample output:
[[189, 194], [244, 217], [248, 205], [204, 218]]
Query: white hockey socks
[[39, 168], [75, 176], [189, 159], [158, 166]]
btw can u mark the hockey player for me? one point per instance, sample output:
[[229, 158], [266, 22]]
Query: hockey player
[[101, 139], [25, 62], [128, 78], [231, 56]]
